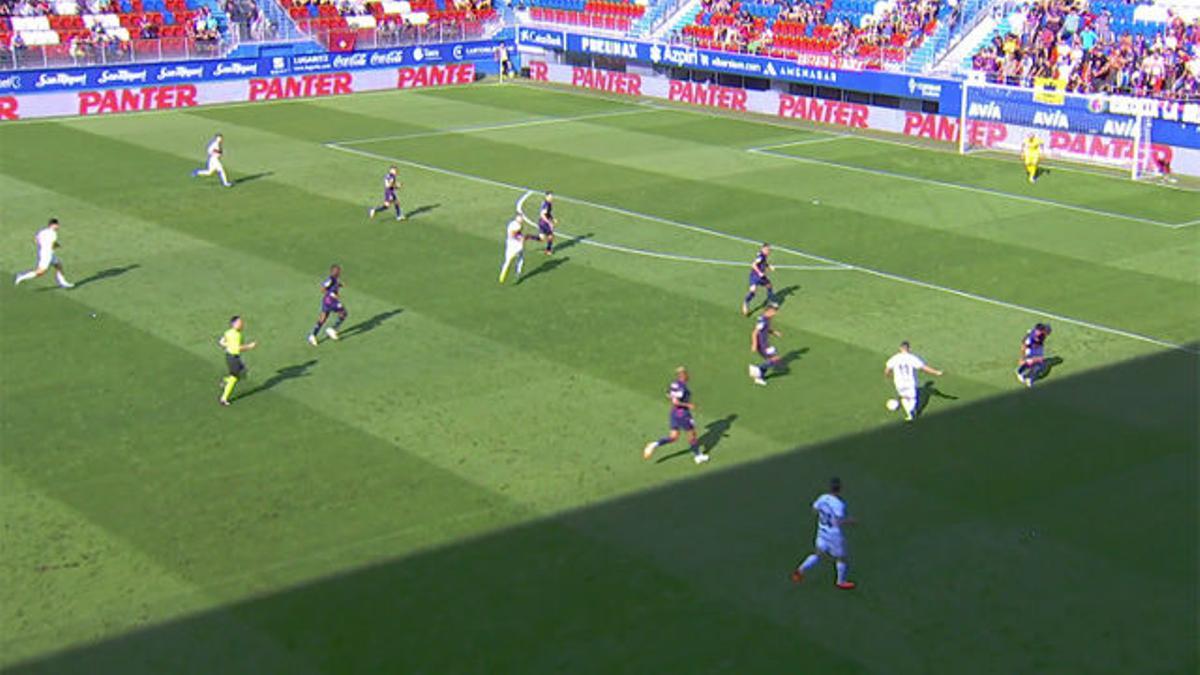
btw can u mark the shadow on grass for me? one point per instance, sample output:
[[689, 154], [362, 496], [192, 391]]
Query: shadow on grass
[[713, 433], [282, 375], [928, 392], [1001, 528], [573, 241], [368, 325], [109, 273], [253, 177], [545, 268], [424, 208]]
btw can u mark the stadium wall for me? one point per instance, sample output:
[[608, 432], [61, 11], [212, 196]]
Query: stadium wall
[[108, 90], [846, 115]]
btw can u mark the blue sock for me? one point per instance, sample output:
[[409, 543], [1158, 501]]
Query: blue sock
[[317, 328], [1022, 368], [765, 366], [338, 324], [399, 213], [749, 298], [696, 449], [664, 440], [770, 294]]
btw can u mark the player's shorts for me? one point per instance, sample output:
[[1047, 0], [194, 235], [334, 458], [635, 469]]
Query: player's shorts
[[389, 195], [331, 305], [834, 547], [907, 393], [47, 259], [545, 227], [236, 367], [767, 352], [214, 163], [681, 419], [513, 249], [759, 280]]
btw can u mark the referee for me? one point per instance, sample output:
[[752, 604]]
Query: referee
[[232, 343]]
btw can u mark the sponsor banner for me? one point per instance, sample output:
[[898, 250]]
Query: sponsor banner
[[168, 96], [123, 76], [819, 71], [1063, 144], [1078, 114]]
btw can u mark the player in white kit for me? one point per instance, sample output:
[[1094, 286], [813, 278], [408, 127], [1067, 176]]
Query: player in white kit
[[47, 241], [514, 244], [831, 518], [215, 150], [904, 368]]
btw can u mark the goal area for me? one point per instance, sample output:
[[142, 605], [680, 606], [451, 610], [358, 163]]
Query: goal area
[[1072, 127]]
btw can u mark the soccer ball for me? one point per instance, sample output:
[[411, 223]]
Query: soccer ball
[[892, 404]]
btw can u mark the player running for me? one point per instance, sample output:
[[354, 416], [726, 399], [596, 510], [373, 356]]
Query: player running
[[760, 343], [758, 277], [903, 368], [216, 148], [514, 245], [681, 418], [391, 184], [831, 541], [331, 303], [1032, 363], [547, 222], [232, 343], [1031, 152], [46, 240]]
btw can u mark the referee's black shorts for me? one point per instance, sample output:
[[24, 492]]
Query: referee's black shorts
[[236, 367]]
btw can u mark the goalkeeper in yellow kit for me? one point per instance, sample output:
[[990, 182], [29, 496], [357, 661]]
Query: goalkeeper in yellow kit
[[1032, 154]]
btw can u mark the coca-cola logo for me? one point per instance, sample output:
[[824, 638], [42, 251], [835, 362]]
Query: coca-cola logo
[[350, 61], [391, 58]]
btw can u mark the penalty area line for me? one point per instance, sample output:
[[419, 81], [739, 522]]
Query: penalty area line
[[959, 186], [693, 259], [517, 124], [811, 256]]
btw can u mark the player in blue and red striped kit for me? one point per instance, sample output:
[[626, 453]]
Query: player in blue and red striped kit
[[760, 343], [1032, 363], [758, 277], [331, 303], [681, 418]]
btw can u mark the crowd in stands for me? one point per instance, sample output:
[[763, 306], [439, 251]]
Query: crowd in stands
[[84, 32], [844, 29], [1070, 41], [388, 21]]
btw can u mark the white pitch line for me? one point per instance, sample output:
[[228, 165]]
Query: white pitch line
[[692, 259], [964, 188], [805, 141], [812, 256], [533, 122], [603, 207]]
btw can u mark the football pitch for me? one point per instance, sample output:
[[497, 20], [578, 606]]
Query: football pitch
[[457, 484]]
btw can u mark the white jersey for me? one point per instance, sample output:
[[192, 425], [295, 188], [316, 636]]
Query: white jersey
[[905, 367], [512, 232], [46, 238], [214, 147], [831, 511]]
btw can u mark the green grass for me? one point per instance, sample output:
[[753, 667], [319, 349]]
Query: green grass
[[457, 485]]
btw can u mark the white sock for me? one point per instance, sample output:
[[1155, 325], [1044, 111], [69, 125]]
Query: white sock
[[910, 406], [223, 178], [520, 263], [62, 281], [841, 571], [810, 562], [26, 276]]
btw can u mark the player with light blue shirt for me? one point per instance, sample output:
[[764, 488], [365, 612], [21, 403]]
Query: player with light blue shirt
[[832, 516]]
